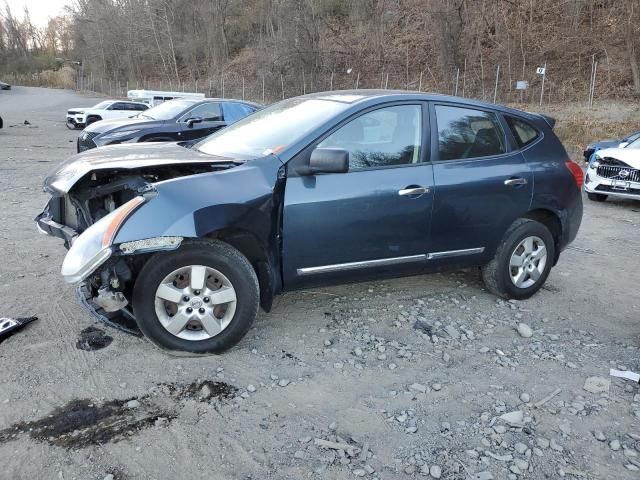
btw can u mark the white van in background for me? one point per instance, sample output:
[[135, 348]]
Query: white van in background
[[155, 97]]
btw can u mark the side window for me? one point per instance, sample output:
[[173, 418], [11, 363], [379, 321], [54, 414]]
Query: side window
[[209, 112], [468, 133], [384, 137], [522, 131], [236, 111]]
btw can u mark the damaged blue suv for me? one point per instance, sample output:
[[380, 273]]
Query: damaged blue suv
[[191, 239]]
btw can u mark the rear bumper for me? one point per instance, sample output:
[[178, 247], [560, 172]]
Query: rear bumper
[[572, 222]]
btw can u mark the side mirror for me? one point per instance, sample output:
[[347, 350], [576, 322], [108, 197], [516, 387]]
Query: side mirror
[[327, 160], [191, 121]]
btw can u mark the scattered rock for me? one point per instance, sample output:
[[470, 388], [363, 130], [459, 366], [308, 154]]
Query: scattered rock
[[418, 387], [525, 398], [435, 471], [525, 330], [513, 418], [596, 384], [251, 388], [133, 404], [599, 436], [614, 445], [284, 382], [437, 387]]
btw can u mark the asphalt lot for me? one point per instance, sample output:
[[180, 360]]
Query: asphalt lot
[[343, 365]]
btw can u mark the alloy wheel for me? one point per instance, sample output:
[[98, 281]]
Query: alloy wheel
[[195, 302], [527, 262]]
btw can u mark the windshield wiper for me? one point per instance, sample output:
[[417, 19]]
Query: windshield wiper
[[147, 116]]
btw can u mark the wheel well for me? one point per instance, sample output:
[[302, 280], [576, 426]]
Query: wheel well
[[97, 117], [243, 241], [552, 222], [249, 245]]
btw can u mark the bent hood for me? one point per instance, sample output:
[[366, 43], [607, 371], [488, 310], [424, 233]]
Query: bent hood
[[630, 156], [123, 157]]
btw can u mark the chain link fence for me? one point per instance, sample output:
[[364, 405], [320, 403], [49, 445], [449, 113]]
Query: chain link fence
[[268, 88]]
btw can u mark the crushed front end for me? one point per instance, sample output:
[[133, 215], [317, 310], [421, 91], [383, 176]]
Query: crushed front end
[[89, 203]]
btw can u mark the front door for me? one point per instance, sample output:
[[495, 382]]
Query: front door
[[481, 184], [373, 219], [210, 119]]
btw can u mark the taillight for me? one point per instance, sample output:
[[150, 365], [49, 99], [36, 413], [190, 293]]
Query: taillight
[[576, 171]]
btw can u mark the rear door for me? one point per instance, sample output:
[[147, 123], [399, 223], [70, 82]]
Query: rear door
[[373, 219], [482, 183]]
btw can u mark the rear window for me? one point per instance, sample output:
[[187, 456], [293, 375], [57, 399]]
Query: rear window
[[522, 131], [468, 133]]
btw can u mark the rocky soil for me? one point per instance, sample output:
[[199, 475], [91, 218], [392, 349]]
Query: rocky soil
[[421, 377]]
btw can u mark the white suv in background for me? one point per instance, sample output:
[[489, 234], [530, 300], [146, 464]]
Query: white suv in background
[[82, 116]]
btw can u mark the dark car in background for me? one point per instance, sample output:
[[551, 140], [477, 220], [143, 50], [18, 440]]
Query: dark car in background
[[593, 147], [5, 86], [175, 120], [316, 190]]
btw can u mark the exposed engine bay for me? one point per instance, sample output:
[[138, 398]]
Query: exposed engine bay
[[93, 197], [103, 191]]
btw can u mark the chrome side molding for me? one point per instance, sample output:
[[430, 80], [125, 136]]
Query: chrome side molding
[[382, 262], [455, 253]]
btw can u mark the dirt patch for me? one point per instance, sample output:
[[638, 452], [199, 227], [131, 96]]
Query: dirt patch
[[92, 338], [81, 423]]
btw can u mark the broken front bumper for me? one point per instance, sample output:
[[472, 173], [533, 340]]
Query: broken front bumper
[[47, 224], [122, 319]]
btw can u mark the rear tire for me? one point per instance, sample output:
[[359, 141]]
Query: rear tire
[[196, 337], [514, 262], [596, 197]]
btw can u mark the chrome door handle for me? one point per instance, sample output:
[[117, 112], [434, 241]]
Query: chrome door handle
[[413, 191], [515, 181]]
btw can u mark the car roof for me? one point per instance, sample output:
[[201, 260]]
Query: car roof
[[195, 101], [363, 95]]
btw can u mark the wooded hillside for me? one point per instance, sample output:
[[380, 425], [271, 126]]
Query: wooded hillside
[[440, 45]]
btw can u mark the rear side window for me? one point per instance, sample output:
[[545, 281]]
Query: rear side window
[[236, 111], [523, 132], [468, 133], [137, 107]]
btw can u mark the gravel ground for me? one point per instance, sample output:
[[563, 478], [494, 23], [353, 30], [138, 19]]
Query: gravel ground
[[407, 378]]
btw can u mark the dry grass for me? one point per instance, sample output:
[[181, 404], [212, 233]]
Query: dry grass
[[62, 78]]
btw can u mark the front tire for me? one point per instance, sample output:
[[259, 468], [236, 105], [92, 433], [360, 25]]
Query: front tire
[[596, 197], [201, 298], [92, 119], [522, 262]]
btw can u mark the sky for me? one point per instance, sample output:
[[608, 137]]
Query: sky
[[39, 10]]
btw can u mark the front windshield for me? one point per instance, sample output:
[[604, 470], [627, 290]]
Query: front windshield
[[271, 130], [167, 110], [634, 144], [102, 105]]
